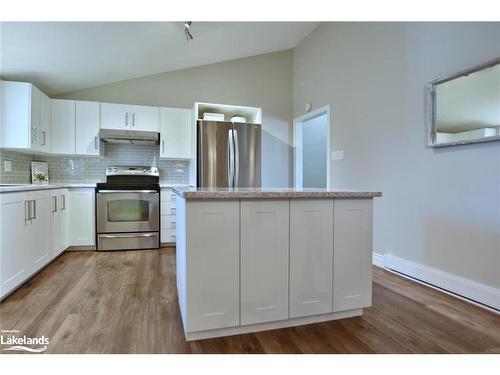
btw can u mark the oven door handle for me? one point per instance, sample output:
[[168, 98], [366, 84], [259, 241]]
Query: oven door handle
[[126, 191], [128, 235]]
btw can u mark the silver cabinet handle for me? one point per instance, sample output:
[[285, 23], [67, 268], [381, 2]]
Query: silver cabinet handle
[[63, 202], [163, 146], [33, 132], [230, 158], [133, 118], [126, 191], [96, 143], [236, 163], [126, 118], [127, 235], [55, 203], [172, 210], [26, 212], [34, 209]]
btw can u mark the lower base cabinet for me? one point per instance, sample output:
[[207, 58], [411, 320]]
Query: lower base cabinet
[[25, 237], [13, 241], [264, 260], [59, 221], [82, 217], [264, 263], [311, 257], [352, 258], [212, 258]]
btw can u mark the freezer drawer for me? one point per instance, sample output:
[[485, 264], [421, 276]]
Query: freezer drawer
[[128, 241]]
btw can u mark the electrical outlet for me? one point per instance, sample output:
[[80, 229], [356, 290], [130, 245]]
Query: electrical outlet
[[338, 155], [7, 166]]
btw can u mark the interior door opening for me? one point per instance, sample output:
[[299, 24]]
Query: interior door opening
[[311, 134]]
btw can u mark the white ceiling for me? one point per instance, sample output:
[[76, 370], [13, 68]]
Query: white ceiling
[[64, 56]]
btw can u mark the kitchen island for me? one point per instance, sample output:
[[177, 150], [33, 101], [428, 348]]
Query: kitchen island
[[252, 259]]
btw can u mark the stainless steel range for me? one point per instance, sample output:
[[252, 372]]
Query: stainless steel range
[[128, 209]]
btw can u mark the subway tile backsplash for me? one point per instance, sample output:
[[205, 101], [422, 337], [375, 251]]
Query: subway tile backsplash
[[91, 169]]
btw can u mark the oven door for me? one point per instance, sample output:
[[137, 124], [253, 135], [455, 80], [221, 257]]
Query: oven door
[[120, 211]]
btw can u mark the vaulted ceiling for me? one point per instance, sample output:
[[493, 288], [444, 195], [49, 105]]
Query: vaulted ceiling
[[64, 56]]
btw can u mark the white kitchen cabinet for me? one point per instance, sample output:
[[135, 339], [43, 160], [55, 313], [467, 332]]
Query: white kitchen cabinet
[[352, 263], [130, 117], [39, 229], [264, 260], [59, 221], [176, 133], [13, 241], [145, 118], [44, 133], [87, 125], [114, 116], [63, 127], [212, 256], [25, 236], [21, 124], [311, 257], [168, 219], [82, 217]]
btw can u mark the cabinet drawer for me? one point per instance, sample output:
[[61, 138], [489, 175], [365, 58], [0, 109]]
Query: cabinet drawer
[[168, 235], [167, 195], [168, 208], [168, 221]]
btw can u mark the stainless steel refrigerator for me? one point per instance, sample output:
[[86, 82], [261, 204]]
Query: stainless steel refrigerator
[[228, 154]]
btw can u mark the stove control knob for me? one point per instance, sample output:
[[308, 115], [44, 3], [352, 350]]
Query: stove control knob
[[114, 169]]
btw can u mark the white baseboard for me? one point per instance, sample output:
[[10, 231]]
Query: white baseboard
[[463, 287], [378, 260]]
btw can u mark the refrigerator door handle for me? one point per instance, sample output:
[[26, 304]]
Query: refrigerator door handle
[[236, 163], [230, 157]]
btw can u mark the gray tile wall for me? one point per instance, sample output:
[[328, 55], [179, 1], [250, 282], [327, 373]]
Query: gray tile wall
[[21, 167], [79, 169]]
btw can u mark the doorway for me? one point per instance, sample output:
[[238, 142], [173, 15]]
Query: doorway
[[311, 145]]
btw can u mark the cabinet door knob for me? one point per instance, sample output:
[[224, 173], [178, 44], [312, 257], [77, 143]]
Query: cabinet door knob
[[126, 118]]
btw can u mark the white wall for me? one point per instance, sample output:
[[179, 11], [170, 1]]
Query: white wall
[[440, 208], [261, 81], [314, 148]]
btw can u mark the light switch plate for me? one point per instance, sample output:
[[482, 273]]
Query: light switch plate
[[7, 166], [338, 155]]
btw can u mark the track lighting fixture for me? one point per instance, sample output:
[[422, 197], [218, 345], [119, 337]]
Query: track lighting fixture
[[187, 32]]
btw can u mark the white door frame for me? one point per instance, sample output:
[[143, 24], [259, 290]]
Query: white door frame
[[298, 146]]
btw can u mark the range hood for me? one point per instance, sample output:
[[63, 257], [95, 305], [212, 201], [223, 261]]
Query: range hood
[[134, 137]]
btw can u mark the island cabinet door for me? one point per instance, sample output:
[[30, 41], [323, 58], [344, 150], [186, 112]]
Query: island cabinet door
[[311, 257], [352, 263], [213, 264], [264, 260]]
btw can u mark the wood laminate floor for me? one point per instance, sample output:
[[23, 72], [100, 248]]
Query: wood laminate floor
[[126, 302]]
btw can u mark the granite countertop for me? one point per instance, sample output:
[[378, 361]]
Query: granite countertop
[[269, 193], [13, 188]]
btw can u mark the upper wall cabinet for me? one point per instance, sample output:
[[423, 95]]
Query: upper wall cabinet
[[87, 127], [25, 117], [175, 133], [63, 126], [130, 117]]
